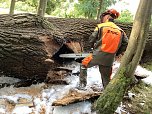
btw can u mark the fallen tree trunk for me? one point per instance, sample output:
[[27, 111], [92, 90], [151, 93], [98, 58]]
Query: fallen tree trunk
[[22, 53], [30, 45], [26, 46]]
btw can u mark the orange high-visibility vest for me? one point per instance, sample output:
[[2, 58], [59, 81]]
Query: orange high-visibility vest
[[110, 39], [110, 35]]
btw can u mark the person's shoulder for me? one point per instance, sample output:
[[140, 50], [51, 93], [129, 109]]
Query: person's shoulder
[[103, 24], [116, 26]]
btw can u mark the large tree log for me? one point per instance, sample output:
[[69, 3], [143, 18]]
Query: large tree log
[[29, 42], [26, 42]]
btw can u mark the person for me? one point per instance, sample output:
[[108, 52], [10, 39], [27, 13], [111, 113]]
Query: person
[[107, 40]]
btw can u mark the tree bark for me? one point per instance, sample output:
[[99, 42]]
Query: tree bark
[[26, 45], [114, 92]]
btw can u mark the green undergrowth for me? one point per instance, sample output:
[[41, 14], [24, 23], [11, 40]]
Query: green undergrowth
[[147, 65], [141, 103]]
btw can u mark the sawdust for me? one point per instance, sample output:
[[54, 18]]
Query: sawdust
[[33, 90]]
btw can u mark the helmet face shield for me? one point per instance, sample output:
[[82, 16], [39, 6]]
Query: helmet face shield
[[103, 15]]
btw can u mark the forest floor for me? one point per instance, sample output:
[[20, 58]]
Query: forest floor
[[141, 100], [38, 99], [139, 103]]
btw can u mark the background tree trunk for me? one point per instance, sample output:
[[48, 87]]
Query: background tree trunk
[[99, 9], [12, 7], [114, 92], [42, 7]]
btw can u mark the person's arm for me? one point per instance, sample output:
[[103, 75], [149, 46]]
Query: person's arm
[[123, 45], [93, 37]]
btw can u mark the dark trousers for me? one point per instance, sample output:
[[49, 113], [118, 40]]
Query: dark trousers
[[105, 72]]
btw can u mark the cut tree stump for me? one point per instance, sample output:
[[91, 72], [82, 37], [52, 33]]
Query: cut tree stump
[[76, 96]]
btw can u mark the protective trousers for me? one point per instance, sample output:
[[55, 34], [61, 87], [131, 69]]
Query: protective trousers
[[83, 76], [105, 71]]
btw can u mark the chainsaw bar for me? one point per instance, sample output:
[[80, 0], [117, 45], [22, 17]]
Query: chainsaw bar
[[74, 55]]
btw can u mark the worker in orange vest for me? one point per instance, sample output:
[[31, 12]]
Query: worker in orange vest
[[107, 40]]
